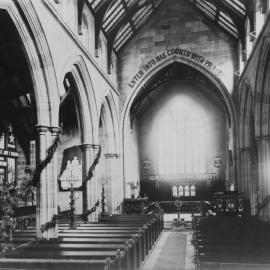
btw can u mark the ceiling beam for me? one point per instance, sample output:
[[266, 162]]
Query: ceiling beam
[[99, 16], [80, 15], [123, 20], [237, 18]]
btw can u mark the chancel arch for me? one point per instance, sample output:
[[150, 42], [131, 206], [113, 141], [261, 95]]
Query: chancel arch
[[180, 109]]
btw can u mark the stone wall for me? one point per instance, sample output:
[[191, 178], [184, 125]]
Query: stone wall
[[177, 24]]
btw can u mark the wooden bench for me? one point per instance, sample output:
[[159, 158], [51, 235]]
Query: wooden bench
[[58, 264], [135, 241], [117, 242]]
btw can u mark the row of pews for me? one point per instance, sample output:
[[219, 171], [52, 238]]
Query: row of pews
[[231, 243], [116, 242]]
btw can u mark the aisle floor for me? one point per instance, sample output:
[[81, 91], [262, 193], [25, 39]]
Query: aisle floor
[[173, 251]]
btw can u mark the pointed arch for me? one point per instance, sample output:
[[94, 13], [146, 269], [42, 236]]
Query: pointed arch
[[108, 111], [246, 110], [221, 88], [86, 99], [39, 58], [262, 95]]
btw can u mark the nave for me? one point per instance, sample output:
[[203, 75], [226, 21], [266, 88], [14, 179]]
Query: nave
[[121, 118]]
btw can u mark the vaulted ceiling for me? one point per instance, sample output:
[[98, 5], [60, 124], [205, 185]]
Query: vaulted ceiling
[[121, 19]]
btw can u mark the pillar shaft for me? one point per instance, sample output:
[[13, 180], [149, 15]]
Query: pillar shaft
[[86, 164], [113, 184], [54, 182], [47, 186], [263, 145], [92, 185]]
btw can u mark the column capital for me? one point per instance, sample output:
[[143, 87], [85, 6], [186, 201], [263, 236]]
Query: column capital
[[85, 146], [262, 137], [42, 129], [112, 155], [244, 149], [54, 130], [95, 146], [109, 155]]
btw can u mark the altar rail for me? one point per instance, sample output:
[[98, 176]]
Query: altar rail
[[188, 206]]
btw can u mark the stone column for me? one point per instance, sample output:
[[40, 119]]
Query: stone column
[[110, 184], [86, 164], [247, 177], [92, 185], [263, 145], [42, 196], [243, 184], [114, 185], [118, 183], [53, 188]]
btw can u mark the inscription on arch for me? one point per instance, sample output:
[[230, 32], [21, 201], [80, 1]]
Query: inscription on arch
[[171, 53]]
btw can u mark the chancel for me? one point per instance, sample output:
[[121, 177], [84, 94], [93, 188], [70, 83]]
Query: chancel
[[135, 134]]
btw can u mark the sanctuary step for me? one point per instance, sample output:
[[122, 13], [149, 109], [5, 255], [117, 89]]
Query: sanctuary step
[[231, 243], [116, 242]]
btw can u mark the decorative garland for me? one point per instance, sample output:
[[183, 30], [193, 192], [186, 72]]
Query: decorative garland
[[89, 212], [72, 218], [49, 225], [103, 200], [50, 153], [93, 166]]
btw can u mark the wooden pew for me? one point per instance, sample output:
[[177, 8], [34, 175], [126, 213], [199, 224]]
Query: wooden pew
[[59, 264], [118, 242], [135, 241]]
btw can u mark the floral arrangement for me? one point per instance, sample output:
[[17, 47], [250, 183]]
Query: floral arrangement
[[133, 188], [8, 223]]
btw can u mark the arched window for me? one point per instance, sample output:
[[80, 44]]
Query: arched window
[[174, 191], [181, 139], [187, 192], [181, 190], [192, 190]]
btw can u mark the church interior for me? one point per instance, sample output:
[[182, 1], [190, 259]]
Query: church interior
[[135, 134]]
